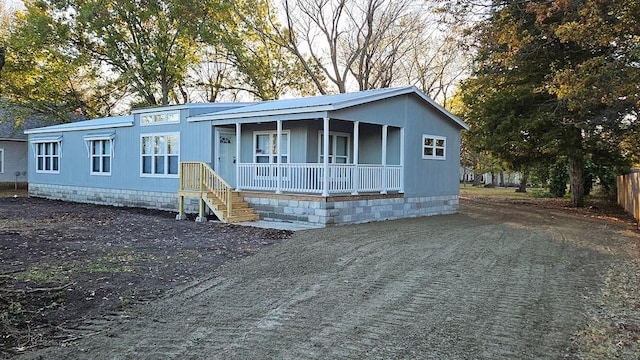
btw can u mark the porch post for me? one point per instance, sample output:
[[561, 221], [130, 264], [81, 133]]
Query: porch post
[[356, 157], [384, 159], [402, 160], [238, 150], [325, 165], [279, 158]]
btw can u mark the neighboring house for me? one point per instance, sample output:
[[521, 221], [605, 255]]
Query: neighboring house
[[13, 153], [504, 178], [346, 158]]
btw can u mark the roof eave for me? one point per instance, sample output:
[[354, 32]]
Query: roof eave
[[49, 130], [230, 116]]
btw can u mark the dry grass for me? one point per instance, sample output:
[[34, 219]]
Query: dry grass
[[11, 192]]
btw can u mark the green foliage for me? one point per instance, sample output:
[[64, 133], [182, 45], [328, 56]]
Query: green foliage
[[43, 69], [559, 176], [556, 79]]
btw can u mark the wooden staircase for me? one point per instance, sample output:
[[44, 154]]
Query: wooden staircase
[[198, 180]]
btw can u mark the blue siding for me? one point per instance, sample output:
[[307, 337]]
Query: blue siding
[[423, 177], [75, 165]]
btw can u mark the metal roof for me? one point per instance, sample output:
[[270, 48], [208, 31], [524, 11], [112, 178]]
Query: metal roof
[[95, 124], [322, 103]]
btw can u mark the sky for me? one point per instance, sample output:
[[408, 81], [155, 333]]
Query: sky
[[12, 4]]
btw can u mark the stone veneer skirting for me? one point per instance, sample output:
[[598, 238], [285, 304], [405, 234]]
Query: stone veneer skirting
[[336, 210], [333, 210], [114, 197]]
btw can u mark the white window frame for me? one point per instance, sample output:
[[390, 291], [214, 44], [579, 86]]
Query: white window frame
[[165, 154], [434, 147], [1, 161], [89, 142], [272, 134], [47, 158], [334, 143], [101, 156], [159, 118]]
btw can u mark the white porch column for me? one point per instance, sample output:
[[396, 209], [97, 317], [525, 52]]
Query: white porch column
[[356, 157], [402, 160], [238, 149], [279, 158], [325, 165], [385, 129]]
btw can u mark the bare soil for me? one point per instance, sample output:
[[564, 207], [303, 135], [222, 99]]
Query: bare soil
[[65, 265], [504, 279]]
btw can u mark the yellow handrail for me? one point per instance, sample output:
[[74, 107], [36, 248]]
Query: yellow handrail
[[198, 176]]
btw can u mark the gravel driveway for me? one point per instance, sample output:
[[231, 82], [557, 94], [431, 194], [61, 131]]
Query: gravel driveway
[[493, 282]]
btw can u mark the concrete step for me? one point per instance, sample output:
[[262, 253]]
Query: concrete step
[[241, 218]]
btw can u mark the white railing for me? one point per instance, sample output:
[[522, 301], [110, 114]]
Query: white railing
[[309, 178]]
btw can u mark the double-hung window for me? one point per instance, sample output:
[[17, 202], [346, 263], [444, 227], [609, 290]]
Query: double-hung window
[[160, 154], [101, 157], [100, 148], [47, 153], [266, 147], [339, 147], [433, 147]]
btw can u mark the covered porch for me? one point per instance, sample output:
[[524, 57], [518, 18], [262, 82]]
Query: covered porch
[[277, 167]]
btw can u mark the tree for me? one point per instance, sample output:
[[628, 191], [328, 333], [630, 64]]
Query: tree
[[368, 43], [264, 68], [147, 44], [537, 79], [44, 72]]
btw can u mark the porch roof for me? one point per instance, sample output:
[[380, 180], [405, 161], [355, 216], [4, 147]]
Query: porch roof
[[311, 107]]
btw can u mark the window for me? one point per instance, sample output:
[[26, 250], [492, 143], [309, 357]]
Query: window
[[101, 157], [266, 147], [100, 149], [339, 148], [160, 154], [1, 161], [160, 118], [48, 157], [433, 147]]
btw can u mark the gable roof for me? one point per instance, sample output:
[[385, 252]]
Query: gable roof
[[323, 103], [9, 130], [95, 124]]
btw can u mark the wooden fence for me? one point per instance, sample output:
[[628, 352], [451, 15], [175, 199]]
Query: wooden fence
[[629, 193]]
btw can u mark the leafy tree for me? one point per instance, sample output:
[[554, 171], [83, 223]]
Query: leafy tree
[[541, 89], [148, 44], [43, 71], [559, 177], [264, 68]]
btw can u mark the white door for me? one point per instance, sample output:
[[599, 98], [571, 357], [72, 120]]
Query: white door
[[227, 156]]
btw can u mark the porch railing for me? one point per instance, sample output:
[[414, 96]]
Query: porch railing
[[199, 177], [309, 177]]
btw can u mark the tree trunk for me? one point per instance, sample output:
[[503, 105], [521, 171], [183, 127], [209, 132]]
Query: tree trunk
[[575, 157], [502, 178], [476, 179], [524, 176], [2, 62], [576, 165]]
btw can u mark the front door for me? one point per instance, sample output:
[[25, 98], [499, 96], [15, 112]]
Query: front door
[[227, 156]]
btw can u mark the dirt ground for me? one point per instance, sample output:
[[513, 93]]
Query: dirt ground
[[504, 279], [65, 267]]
